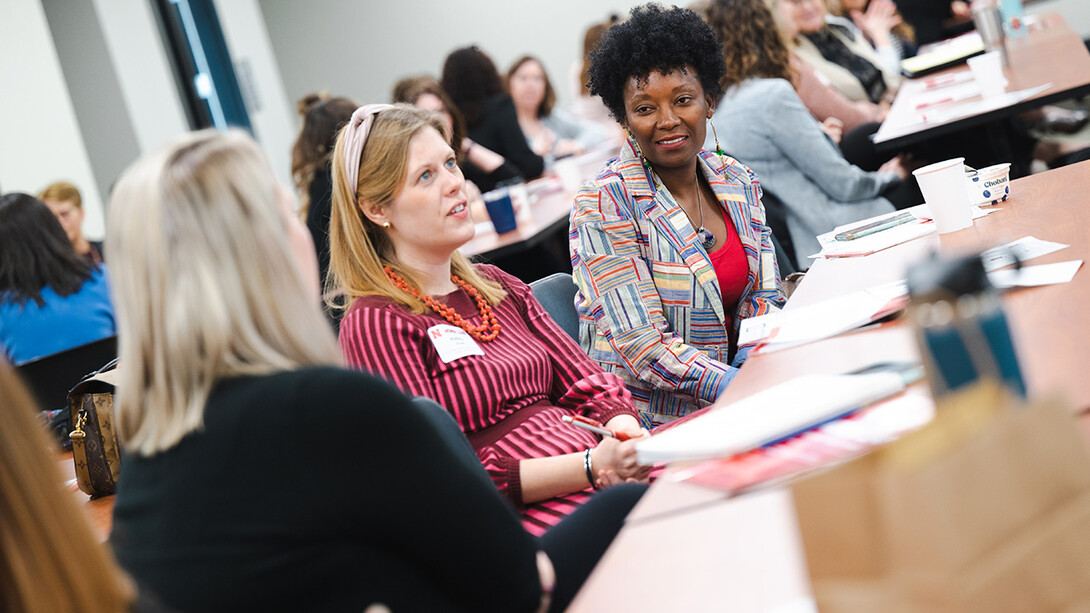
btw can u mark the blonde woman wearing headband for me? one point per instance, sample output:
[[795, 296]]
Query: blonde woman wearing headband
[[472, 338], [262, 476]]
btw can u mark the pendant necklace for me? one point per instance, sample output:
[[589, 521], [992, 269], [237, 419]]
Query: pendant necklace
[[704, 235]]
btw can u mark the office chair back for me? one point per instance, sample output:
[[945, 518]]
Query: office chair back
[[776, 217], [50, 377], [556, 293]]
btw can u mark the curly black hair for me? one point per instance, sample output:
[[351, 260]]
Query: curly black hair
[[654, 38]]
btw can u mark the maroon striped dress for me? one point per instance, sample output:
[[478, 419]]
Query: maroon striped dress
[[508, 401]]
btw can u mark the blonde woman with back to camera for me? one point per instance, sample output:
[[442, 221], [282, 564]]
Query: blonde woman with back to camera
[[254, 460]]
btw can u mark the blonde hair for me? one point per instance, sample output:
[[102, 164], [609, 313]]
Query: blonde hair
[[62, 191], [359, 249], [204, 284], [50, 560]]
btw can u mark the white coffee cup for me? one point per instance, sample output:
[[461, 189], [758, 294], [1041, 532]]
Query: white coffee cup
[[988, 73], [944, 190], [571, 176]]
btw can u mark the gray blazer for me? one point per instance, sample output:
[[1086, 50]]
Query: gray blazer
[[763, 124]]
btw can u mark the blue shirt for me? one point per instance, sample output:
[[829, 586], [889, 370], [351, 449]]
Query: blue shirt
[[28, 331]]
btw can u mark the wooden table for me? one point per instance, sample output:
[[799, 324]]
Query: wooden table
[[1052, 53], [689, 548], [548, 213]]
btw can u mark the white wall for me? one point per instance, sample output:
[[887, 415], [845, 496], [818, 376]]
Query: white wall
[[359, 49], [143, 71], [42, 141], [272, 119]]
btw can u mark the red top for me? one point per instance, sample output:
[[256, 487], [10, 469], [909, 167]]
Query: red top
[[731, 266]]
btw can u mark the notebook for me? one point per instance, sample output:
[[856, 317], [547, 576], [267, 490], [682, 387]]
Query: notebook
[[769, 416]]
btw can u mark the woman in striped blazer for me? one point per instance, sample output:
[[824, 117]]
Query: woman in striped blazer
[[668, 242]]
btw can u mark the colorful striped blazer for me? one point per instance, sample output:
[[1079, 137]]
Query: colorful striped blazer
[[649, 303]]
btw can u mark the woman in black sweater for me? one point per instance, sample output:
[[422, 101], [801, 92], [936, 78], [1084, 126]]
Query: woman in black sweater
[[261, 476], [476, 87]]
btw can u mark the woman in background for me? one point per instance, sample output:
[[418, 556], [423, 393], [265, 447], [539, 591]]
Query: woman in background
[[842, 56], [669, 244], [763, 121], [323, 117], [50, 298], [470, 337], [473, 83], [550, 131], [286, 482], [50, 561], [475, 160], [65, 201]]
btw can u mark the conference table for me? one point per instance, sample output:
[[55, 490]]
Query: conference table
[[685, 547], [1051, 54]]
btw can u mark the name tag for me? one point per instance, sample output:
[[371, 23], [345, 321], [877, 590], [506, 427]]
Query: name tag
[[452, 342]]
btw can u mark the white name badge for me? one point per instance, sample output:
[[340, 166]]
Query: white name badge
[[452, 342]]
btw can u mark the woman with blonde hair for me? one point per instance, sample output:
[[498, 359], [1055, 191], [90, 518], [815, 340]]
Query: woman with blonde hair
[[50, 561], [255, 461], [472, 338]]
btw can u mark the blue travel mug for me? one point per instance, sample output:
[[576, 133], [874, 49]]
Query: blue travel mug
[[500, 209]]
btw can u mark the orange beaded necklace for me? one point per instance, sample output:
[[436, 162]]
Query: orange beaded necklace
[[490, 326]]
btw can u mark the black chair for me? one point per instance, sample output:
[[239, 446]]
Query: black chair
[[49, 378], [776, 217], [556, 293]]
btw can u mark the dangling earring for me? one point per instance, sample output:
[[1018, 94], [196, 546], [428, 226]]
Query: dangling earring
[[639, 151], [718, 149]]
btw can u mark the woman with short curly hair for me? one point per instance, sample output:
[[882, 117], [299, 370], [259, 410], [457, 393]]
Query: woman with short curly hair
[[669, 244]]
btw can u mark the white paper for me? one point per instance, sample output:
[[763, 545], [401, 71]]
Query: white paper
[[1032, 276], [823, 319], [1025, 248], [941, 114], [775, 413], [832, 248]]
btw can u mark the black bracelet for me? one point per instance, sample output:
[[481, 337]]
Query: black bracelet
[[590, 470]]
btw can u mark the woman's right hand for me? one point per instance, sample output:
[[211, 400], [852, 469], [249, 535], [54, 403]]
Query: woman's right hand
[[620, 458]]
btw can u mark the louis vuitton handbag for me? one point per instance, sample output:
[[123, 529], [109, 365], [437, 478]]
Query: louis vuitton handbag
[[95, 450]]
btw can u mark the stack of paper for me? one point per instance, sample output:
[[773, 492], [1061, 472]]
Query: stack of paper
[[783, 329], [769, 416], [830, 444], [873, 243]]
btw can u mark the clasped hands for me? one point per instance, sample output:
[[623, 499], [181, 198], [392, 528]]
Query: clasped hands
[[615, 461]]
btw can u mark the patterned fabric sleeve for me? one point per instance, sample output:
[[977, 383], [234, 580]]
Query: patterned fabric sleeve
[[579, 383], [625, 304]]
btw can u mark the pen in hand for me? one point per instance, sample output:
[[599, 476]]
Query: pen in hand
[[594, 426]]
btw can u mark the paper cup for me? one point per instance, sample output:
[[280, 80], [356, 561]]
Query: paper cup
[[988, 73], [571, 177], [500, 210], [989, 185], [944, 190]]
